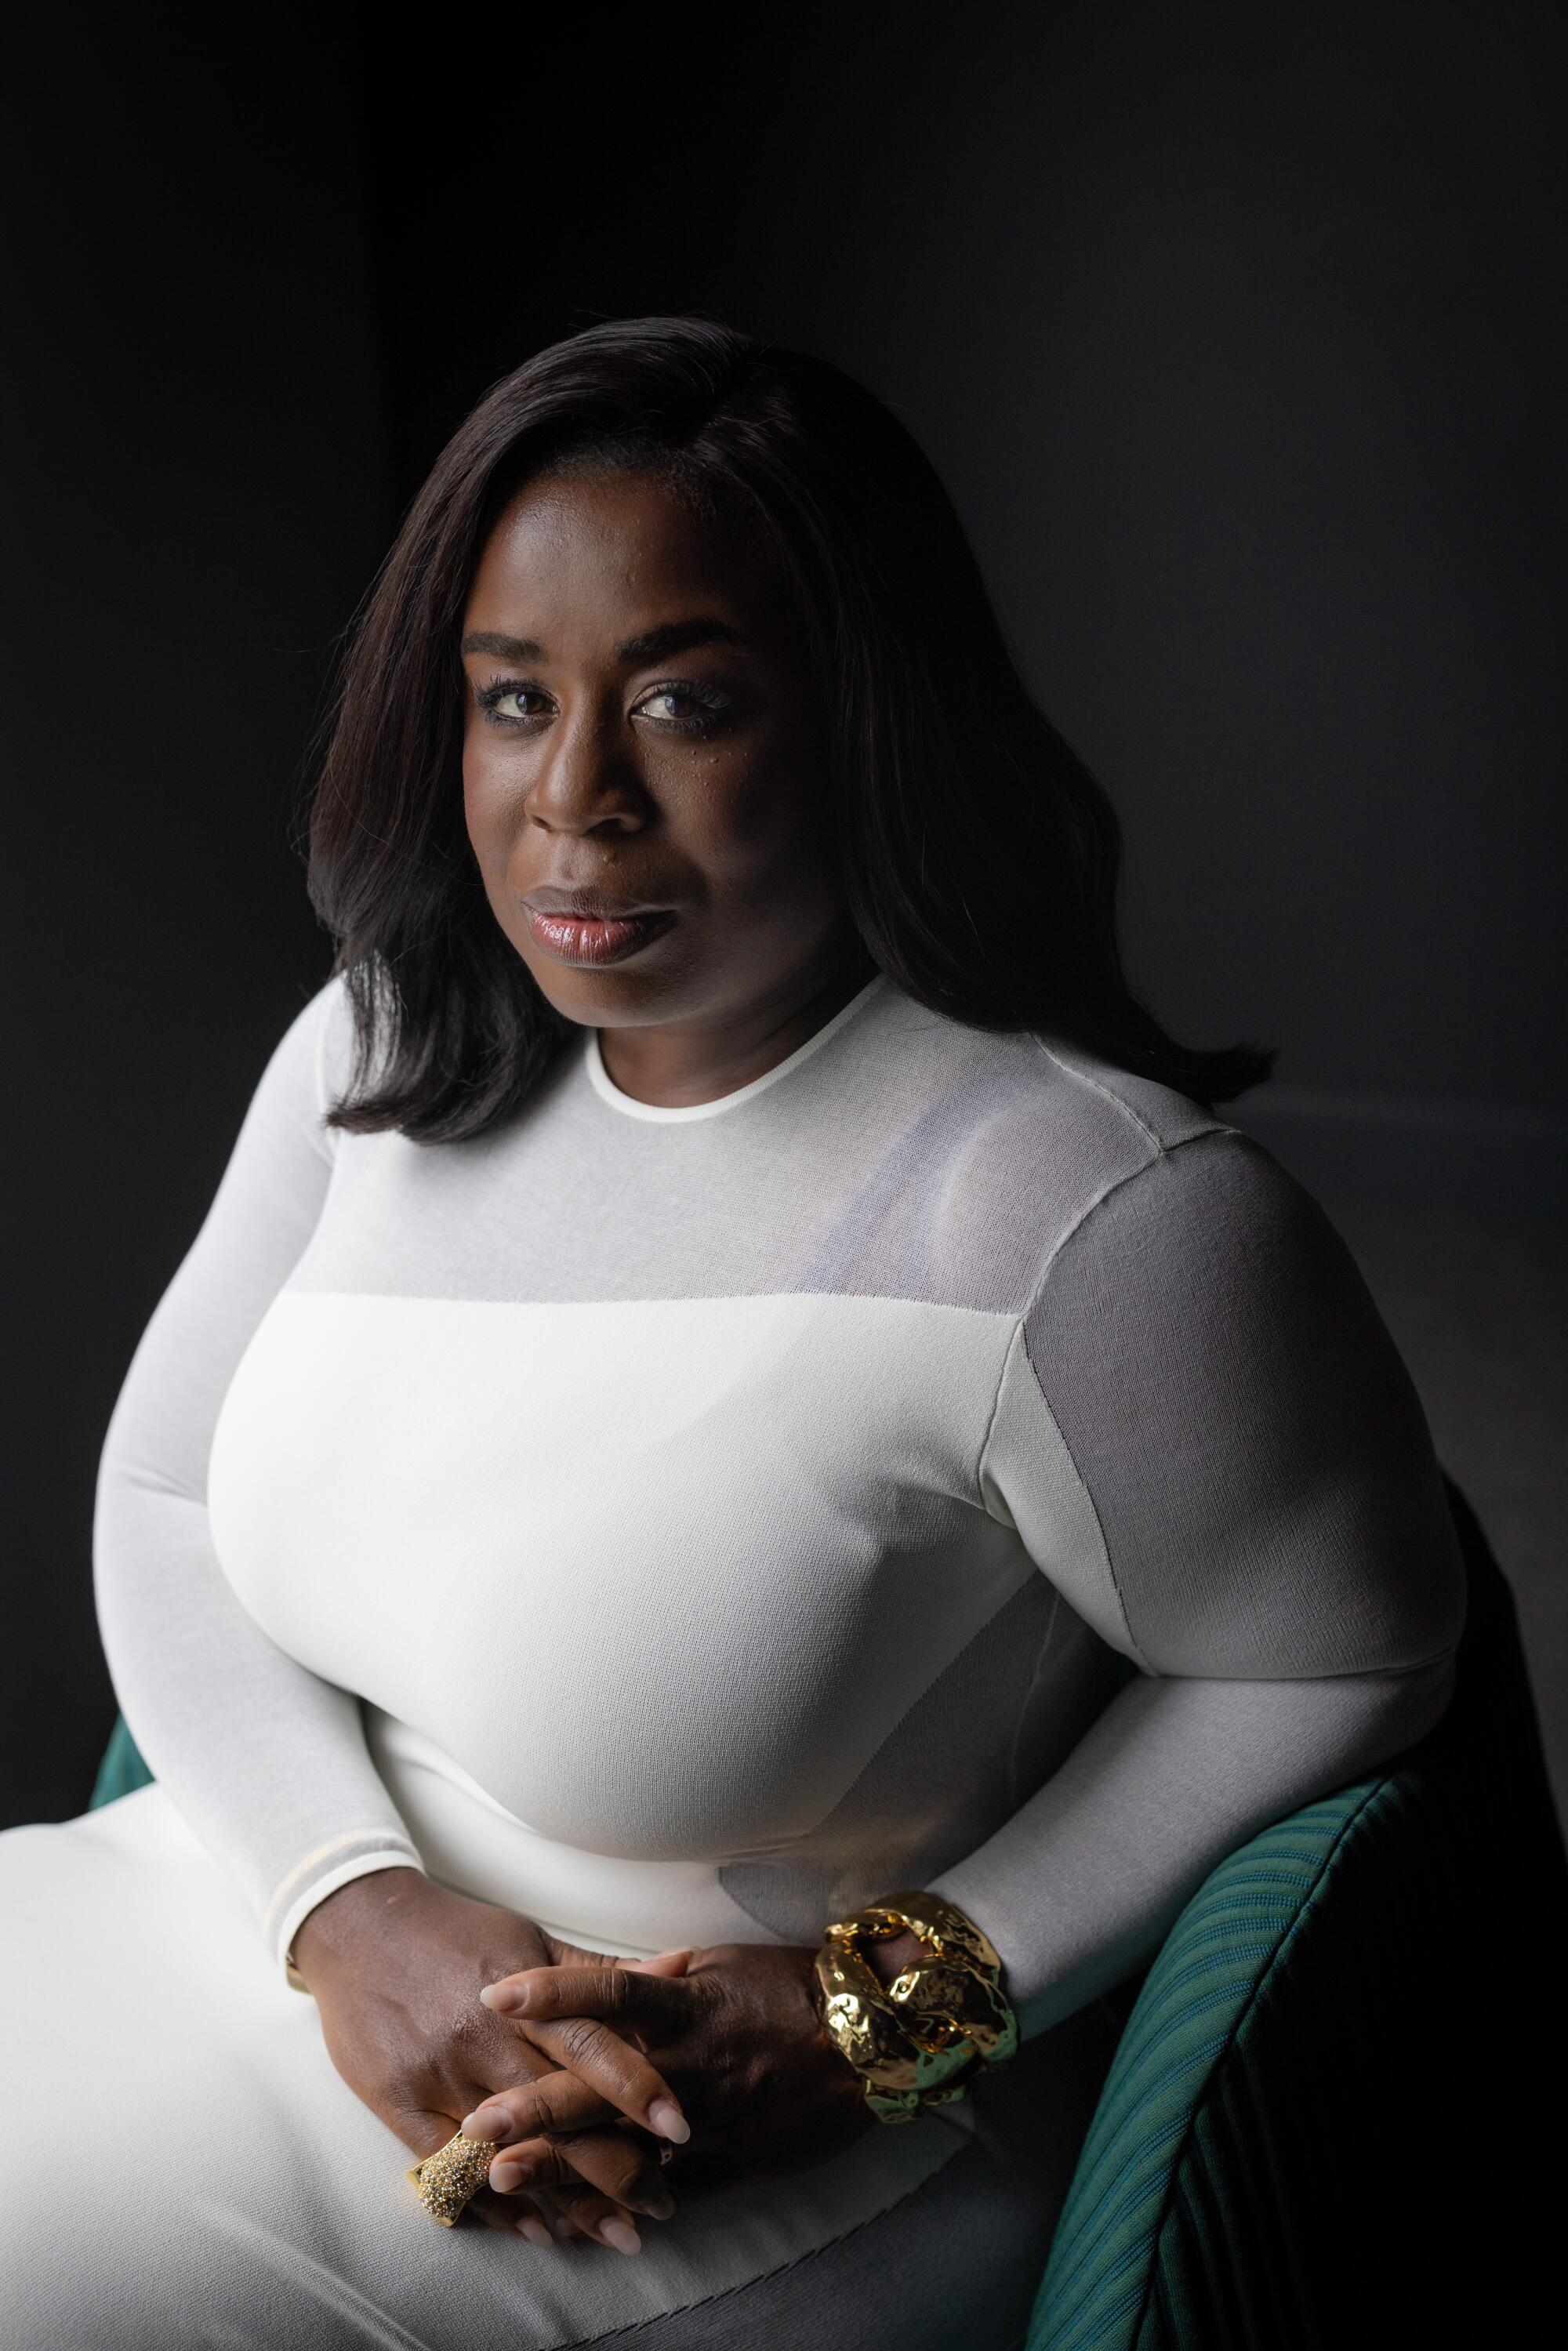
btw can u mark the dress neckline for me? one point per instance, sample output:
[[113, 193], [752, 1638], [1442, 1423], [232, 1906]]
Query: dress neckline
[[662, 1114]]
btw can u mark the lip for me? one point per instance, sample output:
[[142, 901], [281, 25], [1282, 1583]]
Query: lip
[[594, 905], [571, 932]]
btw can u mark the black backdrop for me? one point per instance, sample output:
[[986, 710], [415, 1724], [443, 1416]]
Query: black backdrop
[[1236, 332]]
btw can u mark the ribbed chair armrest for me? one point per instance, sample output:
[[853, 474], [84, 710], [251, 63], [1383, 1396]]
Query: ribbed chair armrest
[[1333, 2117], [1143, 2200]]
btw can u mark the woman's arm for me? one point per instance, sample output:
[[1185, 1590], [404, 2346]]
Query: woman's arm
[[266, 1761], [1205, 1436], [1079, 1888]]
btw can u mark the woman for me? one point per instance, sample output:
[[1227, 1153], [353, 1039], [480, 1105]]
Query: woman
[[734, 1370]]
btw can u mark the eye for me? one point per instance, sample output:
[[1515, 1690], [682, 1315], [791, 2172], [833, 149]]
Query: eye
[[694, 709], [511, 705]]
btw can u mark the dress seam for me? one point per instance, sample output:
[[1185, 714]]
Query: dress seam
[[1106, 1094], [1161, 1152], [1047, 1638]]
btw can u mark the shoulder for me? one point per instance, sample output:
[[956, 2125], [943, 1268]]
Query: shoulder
[[1205, 1218], [1015, 1142], [1210, 1256], [1018, 1083], [1048, 1181], [1261, 1474], [311, 1063], [1210, 1234]]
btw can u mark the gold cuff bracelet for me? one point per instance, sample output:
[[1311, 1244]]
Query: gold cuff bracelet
[[921, 2040]]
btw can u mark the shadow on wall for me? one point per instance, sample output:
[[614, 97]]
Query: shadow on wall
[[1483, 1160]]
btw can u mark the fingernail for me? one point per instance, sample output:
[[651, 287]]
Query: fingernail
[[486, 2121], [658, 2206], [561, 2226], [666, 2119], [620, 2234], [534, 2230], [509, 2172], [504, 1999]]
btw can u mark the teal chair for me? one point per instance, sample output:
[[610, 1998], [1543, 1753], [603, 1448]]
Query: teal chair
[[1335, 2115], [121, 1772]]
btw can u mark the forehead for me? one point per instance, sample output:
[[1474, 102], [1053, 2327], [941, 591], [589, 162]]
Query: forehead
[[614, 551]]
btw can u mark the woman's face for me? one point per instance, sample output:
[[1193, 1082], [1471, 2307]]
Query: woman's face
[[641, 772]]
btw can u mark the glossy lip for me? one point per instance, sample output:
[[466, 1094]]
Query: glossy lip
[[576, 937]]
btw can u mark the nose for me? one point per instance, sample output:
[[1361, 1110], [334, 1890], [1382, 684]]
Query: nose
[[587, 783]]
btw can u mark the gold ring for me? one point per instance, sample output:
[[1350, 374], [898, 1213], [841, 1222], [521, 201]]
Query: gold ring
[[446, 2180]]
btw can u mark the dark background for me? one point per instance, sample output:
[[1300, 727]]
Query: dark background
[[1236, 333]]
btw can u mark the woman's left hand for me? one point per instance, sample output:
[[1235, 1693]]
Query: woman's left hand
[[737, 2037]]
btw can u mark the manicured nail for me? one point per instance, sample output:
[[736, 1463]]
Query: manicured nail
[[506, 2000], [658, 2206], [561, 2226], [534, 2230], [509, 2171], [486, 2121], [666, 2119], [620, 2234]]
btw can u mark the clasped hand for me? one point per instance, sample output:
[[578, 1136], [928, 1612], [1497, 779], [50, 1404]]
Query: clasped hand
[[442, 2013]]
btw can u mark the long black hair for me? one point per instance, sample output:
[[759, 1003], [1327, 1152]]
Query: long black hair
[[979, 856]]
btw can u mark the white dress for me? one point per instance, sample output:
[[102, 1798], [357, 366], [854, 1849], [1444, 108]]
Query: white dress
[[950, 1462]]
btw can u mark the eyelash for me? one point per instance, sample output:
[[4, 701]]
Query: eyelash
[[715, 704]]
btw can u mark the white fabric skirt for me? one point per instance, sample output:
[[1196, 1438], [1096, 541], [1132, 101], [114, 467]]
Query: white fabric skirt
[[183, 2166]]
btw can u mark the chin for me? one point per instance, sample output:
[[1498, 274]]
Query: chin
[[615, 997]]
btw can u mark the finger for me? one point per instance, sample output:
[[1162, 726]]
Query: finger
[[556, 2220], [584, 2211], [535, 2228], [615, 2162], [555, 2101], [425, 2131], [663, 1963], [629, 1995], [574, 1955], [563, 2229], [618, 2070], [516, 2216], [560, 2010]]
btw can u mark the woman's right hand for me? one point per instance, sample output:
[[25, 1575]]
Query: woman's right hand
[[397, 1965]]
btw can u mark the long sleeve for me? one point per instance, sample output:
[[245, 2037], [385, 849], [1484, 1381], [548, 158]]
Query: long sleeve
[[266, 1761], [1203, 1394]]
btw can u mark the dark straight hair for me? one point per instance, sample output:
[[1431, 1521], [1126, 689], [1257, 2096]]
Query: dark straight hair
[[979, 856]]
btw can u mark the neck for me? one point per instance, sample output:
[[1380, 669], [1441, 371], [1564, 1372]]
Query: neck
[[679, 1064]]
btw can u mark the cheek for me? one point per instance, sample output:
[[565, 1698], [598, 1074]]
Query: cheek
[[489, 807], [760, 812]]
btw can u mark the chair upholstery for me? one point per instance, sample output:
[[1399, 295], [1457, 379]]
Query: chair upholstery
[[1332, 2118], [121, 1772]]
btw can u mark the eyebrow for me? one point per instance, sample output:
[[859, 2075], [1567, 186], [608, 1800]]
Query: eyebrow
[[654, 645]]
